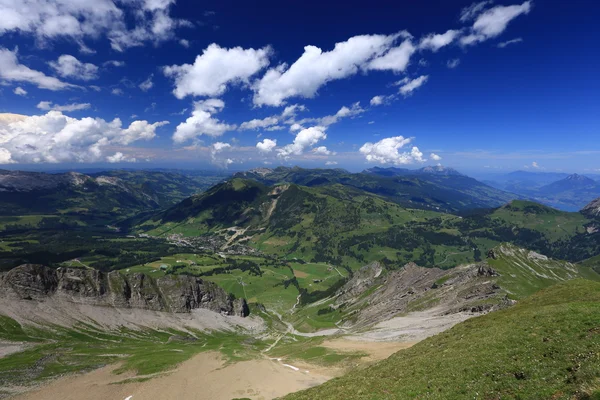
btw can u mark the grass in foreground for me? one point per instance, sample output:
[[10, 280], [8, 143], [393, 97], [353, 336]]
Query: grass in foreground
[[545, 347]]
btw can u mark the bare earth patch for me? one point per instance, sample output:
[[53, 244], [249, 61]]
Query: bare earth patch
[[204, 377], [300, 274], [376, 350]]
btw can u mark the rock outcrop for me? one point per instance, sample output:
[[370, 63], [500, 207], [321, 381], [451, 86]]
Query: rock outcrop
[[171, 293], [592, 209], [372, 296]]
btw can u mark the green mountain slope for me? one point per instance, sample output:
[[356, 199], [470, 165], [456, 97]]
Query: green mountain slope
[[545, 347], [347, 226], [425, 190]]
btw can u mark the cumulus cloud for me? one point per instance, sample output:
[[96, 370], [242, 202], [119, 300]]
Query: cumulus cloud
[[493, 22], [117, 92], [125, 23], [407, 86], [120, 157], [435, 157], [215, 69], [19, 91], [377, 100], [266, 146], [12, 71], [259, 123], [434, 42], [217, 148], [304, 139], [55, 137], [331, 163], [68, 66], [509, 42], [397, 59], [147, 84], [315, 68], [323, 151], [453, 63], [388, 151], [184, 42], [202, 122], [47, 106]]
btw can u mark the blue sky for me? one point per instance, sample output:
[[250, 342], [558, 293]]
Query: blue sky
[[485, 86]]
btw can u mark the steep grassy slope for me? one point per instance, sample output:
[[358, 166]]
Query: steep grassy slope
[[545, 347], [524, 272]]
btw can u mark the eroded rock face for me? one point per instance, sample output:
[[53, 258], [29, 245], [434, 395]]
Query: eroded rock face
[[171, 293]]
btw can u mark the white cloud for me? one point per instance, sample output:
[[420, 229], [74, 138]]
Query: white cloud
[[201, 122], [493, 22], [47, 106], [147, 84], [292, 110], [453, 63], [184, 42], [217, 148], [377, 100], [387, 151], [434, 42], [469, 13], [331, 163], [68, 66], [12, 71], [117, 92], [407, 86], [120, 157], [397, 59], [509, 42], [259, 123], [322, 150], [19, 91], [296, 127], [54, 137], [304, 139], [535, 165], [344, 112], [266, 146], [435, 157], [315, 68], [96, 88], [215, 69], [113, 63], [126, 23]]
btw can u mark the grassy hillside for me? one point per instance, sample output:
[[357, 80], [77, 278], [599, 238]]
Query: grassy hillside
[[545, 347]]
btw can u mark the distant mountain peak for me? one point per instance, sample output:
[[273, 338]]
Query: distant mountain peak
[[579, 178]]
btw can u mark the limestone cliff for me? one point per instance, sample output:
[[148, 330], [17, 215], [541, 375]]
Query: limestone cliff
[[171, 293]]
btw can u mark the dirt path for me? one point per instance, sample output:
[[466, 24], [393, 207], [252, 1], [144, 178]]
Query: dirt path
[[204, 377]]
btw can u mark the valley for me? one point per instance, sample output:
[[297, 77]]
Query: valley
[[275, 281]]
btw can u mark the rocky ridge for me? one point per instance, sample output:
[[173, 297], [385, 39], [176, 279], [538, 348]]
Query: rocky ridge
[[171, 293]]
